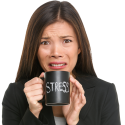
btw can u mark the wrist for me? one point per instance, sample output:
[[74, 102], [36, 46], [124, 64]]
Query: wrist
[[74, 122], [35, 113]]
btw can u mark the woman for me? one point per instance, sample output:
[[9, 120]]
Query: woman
[[56, 40]]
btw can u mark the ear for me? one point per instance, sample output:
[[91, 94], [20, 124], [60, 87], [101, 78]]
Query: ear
[[79, 51]]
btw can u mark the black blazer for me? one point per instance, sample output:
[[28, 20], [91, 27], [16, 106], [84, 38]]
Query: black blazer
[[102, 107]]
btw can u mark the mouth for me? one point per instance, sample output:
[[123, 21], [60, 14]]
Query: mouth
[[57, 65]]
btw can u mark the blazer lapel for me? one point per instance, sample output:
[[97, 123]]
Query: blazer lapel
[[89, 88], [88, 85]]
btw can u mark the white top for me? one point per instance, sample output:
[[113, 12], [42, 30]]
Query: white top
[[60, 120]]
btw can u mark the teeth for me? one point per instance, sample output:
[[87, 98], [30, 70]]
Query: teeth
[[57, 64]]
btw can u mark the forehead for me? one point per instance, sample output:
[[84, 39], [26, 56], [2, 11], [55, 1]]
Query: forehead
[[60, 28]]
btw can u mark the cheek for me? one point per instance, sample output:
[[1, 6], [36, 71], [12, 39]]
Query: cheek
[[73, 55], [73, 51], [42, 53]]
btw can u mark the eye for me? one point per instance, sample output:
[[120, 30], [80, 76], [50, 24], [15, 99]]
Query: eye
[[43, 42], [68, 40]]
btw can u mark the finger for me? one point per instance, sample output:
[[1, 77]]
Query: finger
[[74, 89], [83, 100], [78, 85], [73, 93], [33, 81], [36, 98], [80, 96], [76, 94], [34, 93], [42, 78], [33, 87]]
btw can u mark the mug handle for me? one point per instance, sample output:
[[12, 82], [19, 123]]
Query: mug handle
[[43, 100]]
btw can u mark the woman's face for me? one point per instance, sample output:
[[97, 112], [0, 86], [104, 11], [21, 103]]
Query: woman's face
[[59, 47]]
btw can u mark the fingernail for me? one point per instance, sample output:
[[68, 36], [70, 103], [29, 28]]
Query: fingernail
[[71, 78]]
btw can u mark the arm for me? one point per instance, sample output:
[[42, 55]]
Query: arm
[[110, 113], [11, 114]]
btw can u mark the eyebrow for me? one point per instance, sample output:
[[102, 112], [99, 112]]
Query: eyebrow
[[59, 36]]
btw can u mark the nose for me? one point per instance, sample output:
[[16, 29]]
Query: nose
[[57, 51]]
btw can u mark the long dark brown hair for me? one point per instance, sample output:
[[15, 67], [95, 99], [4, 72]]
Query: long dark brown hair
[[45, 15]]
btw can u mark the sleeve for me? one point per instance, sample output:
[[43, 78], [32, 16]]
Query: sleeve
[[110, 113], [11, 113]]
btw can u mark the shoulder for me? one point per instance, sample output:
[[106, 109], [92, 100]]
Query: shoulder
[[104, 86], [104, 92], [100, 85], [14, 91], [16, 86], [105, 89], [14, 97]]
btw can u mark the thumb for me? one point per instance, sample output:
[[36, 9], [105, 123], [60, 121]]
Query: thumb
[[41, 75], [42, 78]]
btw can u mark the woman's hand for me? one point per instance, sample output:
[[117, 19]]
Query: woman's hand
[[34, 92], [77, 101]]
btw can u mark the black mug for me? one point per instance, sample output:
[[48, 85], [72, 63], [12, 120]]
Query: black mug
[[57, 88]]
